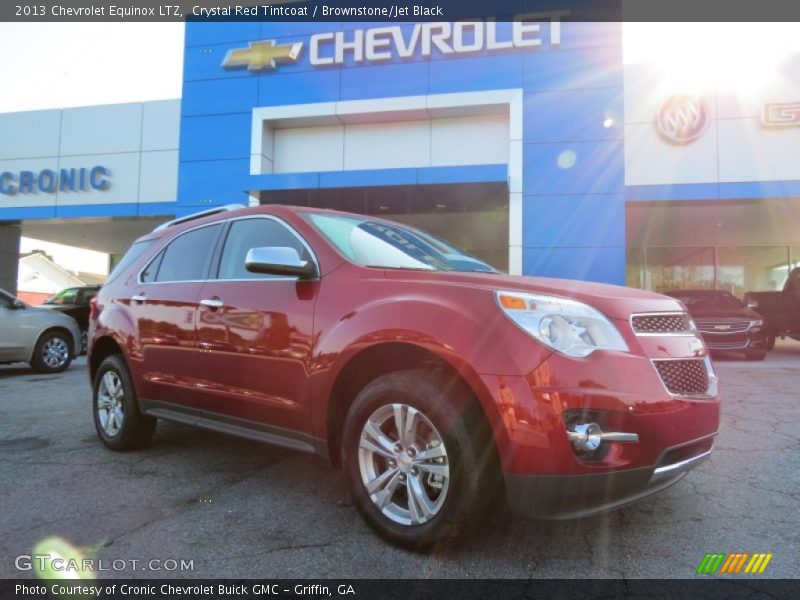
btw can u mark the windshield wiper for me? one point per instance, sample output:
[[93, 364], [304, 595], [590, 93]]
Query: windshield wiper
[[400, 268]]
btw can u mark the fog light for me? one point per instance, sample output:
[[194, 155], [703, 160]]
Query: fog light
[[585, 437]]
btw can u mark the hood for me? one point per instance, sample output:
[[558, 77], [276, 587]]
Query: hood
[[56, 307], [743, 313], [614, 301], [49, 313]]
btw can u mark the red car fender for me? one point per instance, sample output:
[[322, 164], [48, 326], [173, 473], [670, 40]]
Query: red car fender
[[346, 338]]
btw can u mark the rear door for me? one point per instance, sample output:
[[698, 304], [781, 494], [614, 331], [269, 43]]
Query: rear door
[[254, 331], [165, 305]]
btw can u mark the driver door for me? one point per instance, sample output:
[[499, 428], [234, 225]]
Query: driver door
[[254, 331]]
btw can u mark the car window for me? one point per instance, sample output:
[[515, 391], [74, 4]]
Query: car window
[[186, 257], [6, 301], [708, 300], [67, 296], [374, 243], [134, 252], [246, 234], [149, 273], [84, 296]]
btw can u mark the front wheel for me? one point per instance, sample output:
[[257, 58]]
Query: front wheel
[[770, 341], [415, 453], [119, 424]]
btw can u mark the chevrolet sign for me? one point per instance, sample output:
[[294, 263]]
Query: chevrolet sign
[[384, 43]]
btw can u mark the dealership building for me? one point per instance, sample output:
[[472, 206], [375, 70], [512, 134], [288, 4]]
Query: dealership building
[[538, 146]]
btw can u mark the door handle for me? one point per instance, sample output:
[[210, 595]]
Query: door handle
[[212, 303], [139, 298]]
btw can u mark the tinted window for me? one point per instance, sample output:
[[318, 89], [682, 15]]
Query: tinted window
[[255, 233], [373, 243], [6, 301], [134, 252], [151, 270], [68, 296], [707, 300], [84, 296], [186, 257]]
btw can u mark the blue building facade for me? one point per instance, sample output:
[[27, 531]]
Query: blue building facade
[[545, 146], [563, 83]]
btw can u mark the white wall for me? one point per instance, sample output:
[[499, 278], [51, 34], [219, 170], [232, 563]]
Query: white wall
[[736, 147], [137, 142], [40, 276], [470, 140]]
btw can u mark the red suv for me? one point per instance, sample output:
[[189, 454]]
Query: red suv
[[427, 375]]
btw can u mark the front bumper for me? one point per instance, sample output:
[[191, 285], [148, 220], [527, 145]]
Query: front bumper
[[576, 496]]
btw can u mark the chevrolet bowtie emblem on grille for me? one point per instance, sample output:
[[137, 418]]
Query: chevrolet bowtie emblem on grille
[[722, 327], [262, 56]]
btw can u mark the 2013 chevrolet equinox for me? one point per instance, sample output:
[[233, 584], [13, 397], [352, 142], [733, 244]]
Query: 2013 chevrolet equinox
[[423, 372]]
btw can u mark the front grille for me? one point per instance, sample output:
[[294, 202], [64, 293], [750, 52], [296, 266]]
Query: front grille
[[661, 323], [683, 377], [722, 326]]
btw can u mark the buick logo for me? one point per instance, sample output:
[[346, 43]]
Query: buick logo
[[683, 118]]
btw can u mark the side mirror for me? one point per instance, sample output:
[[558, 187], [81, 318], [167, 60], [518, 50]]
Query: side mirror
[[17, 304], [279, 261]]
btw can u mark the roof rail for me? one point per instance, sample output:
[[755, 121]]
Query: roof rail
[[198, 215]]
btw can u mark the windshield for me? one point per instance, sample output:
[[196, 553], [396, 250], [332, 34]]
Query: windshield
[[67, 296], [387, 245], [707, 300]]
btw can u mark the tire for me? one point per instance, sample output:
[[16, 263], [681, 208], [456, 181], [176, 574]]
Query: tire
[[756, 354], [446, 413], [114, 399], [53, 352], [770, 341]]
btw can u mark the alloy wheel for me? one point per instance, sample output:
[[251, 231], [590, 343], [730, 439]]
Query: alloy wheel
[[55, 352], [110, 411], [403, 463]]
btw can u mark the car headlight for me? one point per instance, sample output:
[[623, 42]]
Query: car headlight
[[757, 323], [568, 326]]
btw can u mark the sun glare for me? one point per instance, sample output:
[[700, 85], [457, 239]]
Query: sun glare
[[694, 57]]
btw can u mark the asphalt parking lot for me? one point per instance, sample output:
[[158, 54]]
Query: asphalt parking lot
[[240, 509]]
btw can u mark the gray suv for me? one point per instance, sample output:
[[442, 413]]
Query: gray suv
[[46, 339]]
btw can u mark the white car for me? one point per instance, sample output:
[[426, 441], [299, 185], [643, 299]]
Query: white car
[[46, 339]]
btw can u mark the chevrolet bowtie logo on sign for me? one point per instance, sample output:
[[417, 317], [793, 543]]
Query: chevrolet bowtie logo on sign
[[262, 56], [743, 562]]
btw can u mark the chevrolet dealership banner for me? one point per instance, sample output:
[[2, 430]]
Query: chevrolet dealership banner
[[398, 11]]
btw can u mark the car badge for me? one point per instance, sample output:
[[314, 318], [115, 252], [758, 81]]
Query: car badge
[[683, 118]]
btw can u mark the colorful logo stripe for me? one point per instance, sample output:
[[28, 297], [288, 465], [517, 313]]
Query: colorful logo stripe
[[740, 562]]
